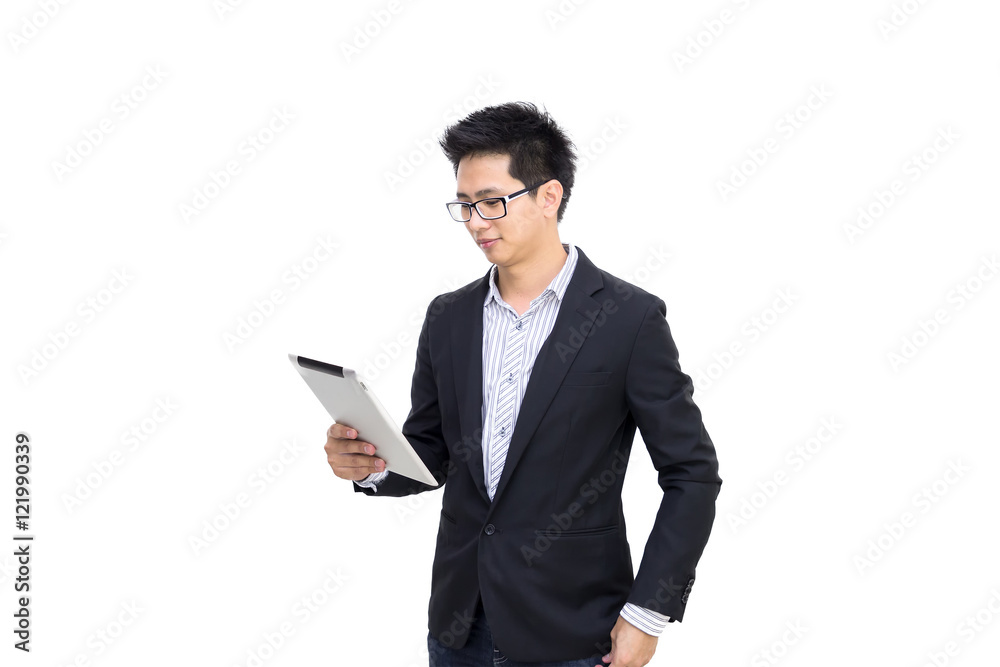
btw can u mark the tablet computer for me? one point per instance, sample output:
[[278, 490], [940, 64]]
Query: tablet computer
[[350, 401]]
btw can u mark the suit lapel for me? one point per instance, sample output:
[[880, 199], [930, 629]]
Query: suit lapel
[[577, 313], [467, 362]]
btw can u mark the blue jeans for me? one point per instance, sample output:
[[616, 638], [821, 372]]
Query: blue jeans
[[479, 651]]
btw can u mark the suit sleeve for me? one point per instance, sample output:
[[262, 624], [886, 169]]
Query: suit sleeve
[[659, 397], [422, 428]]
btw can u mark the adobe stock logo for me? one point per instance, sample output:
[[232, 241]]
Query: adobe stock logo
[[122, 106], [304, 609], [899, 16], [408, 163], [264, 307], [231, 509], [788, 125], [108, 633], [780, 647], [224, 7], [898, 527], [927, 329], [560, 13], [914, 167], [752, 330], [970, 627], [711, 31], [591, 150], [33, 24], [796, 458], [218, 180], [365, 34], [87, 310], [131, 440]]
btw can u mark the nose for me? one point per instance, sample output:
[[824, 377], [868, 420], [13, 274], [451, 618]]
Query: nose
[[476, 221]]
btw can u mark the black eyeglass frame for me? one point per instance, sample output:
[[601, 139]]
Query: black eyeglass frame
[[467, 206]]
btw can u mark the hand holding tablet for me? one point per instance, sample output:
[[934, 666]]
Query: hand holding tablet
[[349, 457], [354, 407]]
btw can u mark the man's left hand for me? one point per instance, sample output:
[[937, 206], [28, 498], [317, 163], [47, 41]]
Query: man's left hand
[[630, 646]]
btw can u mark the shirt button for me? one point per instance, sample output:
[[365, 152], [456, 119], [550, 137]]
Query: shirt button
[[519, 324], [490, 529]]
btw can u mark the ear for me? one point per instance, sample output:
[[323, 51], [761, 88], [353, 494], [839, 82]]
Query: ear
[[549, 198]]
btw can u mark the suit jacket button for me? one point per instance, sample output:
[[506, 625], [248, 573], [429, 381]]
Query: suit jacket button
[[490, 528]]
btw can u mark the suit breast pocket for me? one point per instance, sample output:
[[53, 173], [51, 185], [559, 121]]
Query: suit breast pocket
[[586, 379]]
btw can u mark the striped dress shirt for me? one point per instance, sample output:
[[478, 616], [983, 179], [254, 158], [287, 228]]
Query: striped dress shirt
[[510, 346]]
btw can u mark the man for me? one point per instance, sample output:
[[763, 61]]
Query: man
[[528, 387]]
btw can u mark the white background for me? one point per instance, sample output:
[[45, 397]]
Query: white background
[[658, 135]]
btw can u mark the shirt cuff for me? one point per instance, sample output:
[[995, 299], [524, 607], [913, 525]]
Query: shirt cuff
[[647, 620], [373, 480]]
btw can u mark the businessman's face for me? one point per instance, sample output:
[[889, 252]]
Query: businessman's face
[[516, 236]]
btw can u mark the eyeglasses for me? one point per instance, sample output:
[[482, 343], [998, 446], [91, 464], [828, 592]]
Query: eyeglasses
[[488, 209]]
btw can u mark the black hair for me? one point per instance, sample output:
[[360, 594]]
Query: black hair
[[538, 148]]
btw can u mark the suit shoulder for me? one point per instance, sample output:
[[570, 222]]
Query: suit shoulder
[[625, 293], [444, 301]]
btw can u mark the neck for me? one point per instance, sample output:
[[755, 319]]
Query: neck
[[526, 280]]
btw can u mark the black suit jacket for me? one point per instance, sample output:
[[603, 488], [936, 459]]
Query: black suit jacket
[[549, 554]]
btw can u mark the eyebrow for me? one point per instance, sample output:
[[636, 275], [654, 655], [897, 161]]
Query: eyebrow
[[484, 191]]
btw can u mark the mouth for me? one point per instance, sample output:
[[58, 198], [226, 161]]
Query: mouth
[[487, 243]]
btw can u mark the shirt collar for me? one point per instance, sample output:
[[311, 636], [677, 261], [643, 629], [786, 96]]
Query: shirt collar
[[557, 286]]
